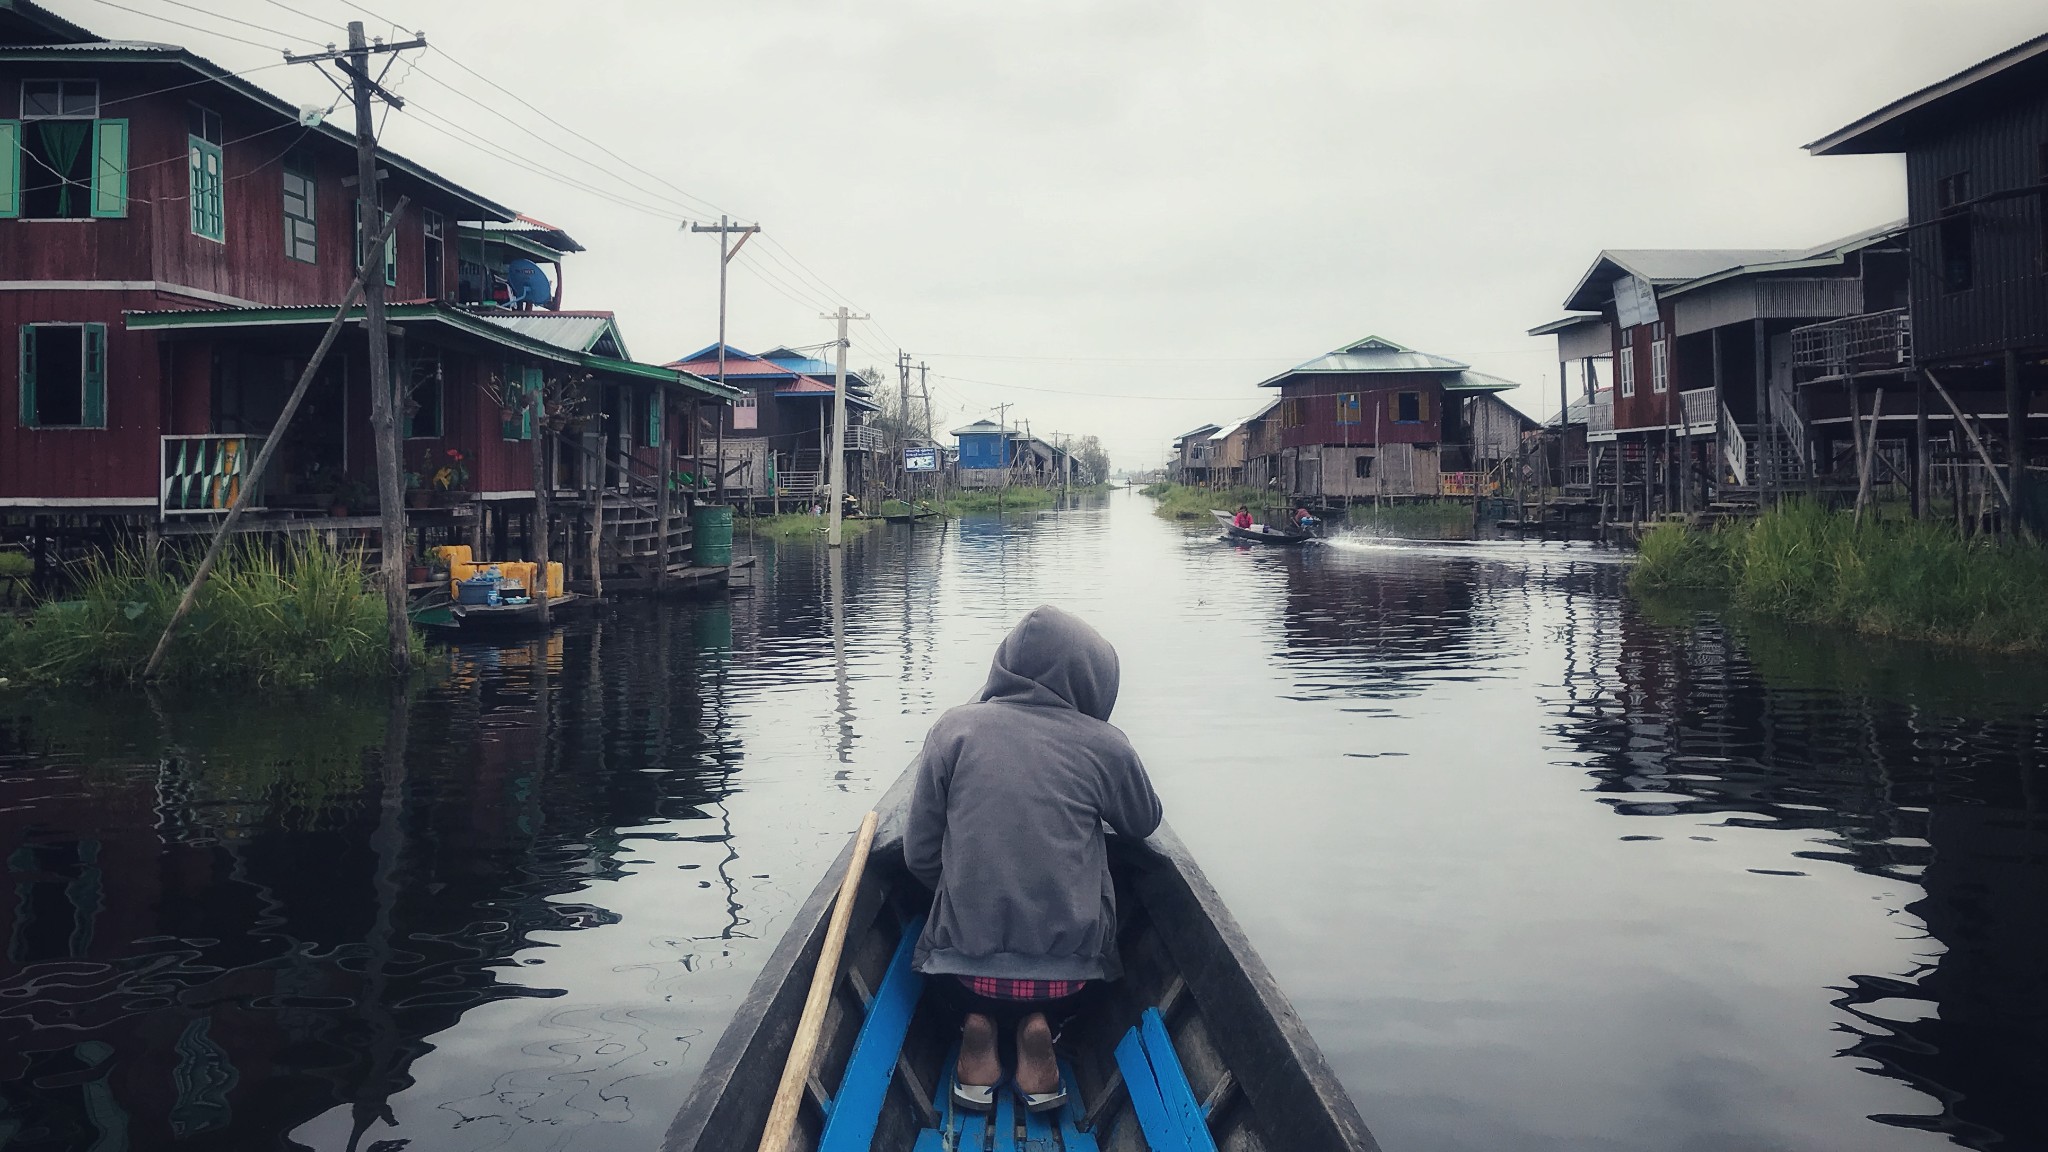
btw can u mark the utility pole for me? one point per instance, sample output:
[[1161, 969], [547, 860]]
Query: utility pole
[[725, 229], [903, 423], [939, 454], [832, 533], [355, 64]]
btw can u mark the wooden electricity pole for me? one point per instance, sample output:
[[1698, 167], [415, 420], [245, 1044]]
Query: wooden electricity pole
[[726, 229], [355, 64], [832, 531]]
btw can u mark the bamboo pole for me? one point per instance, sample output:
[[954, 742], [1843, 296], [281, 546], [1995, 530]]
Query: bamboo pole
[[1869, 453], [254, 477], [1964, 422], [789, 1093]]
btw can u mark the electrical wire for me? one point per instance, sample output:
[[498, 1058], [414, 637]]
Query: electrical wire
[[235, 20], [193, 27], [303, 13]]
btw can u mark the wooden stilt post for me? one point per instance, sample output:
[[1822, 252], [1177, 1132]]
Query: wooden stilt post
[[542, 482], [2015, 446]]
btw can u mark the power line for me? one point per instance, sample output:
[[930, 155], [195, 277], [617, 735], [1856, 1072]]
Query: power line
[[235, 20], [192, 27]]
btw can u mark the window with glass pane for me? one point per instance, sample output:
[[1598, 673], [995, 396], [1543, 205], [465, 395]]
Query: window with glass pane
[[435, 228], [204, 167], [56, 155], [300, 234]]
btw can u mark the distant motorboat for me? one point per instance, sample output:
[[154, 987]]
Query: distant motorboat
[[1259, 533]]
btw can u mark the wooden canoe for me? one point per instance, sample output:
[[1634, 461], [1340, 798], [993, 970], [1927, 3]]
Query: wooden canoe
[[1248, 1073]]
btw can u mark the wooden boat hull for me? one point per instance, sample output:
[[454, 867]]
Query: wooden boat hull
[[1257, 533], [1247, 1056]]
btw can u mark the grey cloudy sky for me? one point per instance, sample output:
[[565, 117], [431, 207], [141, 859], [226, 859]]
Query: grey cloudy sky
[[1119, 216]]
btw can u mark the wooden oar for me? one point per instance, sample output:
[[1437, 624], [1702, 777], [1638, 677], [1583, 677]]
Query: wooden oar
[[789, 1094]]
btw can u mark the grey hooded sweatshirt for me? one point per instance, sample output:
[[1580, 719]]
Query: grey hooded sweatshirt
[[1006, 821]]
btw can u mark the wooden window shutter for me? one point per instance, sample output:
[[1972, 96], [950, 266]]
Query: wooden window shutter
[[95, 376], [654, 417], [515, 402], [109, 168], [28, 376], [10, 168], [1422, 405], [535, 386]]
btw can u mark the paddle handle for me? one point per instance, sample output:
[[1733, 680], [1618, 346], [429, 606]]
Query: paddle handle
[[790, 1092]]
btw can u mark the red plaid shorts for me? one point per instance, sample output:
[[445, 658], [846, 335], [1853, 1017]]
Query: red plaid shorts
[[1003, 988]]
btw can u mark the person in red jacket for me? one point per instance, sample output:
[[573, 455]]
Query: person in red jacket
[[1243, 519]]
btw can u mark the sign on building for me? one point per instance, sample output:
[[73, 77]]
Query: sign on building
[[924, 459], [1635, 302]]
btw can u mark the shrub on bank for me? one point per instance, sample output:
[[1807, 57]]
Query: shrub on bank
[[1887, 577], [1019, 498], [1430, 519], [1187, 502], [794, 526], [294, 617]]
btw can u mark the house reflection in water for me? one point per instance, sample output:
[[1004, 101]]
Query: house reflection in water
[[226, 922], [1910, 765]]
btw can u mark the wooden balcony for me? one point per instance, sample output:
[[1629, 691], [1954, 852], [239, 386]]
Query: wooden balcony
[[1853, 345]]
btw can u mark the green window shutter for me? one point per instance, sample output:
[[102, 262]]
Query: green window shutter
[[109, 168], [206, 180], [654, 418], [536, 383], [95, 376], [10, 168], [28, 376], [391, 257]]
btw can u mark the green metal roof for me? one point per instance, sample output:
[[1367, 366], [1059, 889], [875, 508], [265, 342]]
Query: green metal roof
[[427, 312]]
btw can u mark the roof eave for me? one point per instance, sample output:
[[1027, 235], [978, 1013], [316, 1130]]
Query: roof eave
[[214, 72], [1875, 133]]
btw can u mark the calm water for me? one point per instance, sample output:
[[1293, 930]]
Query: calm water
[[1543, 868]]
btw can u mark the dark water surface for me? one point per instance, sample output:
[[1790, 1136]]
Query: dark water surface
[[1542, 867]]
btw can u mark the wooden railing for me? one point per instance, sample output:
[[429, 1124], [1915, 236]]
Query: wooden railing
[[1600, 418], [201, 475], [1696, 411]]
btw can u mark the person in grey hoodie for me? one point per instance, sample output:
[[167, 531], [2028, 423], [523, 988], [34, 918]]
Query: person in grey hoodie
[[1006, 826]]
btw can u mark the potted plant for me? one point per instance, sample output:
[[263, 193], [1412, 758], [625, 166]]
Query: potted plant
[[450, 477], [351, 494], [416, 494], [418, 572]]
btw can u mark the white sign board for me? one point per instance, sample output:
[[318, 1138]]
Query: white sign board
[[1635, 302], [920, 459]]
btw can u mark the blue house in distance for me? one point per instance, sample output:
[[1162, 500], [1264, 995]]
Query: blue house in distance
[[984, 454]]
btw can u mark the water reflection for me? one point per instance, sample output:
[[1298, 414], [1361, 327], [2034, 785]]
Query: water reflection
[[1541, 866], [1901, 762]]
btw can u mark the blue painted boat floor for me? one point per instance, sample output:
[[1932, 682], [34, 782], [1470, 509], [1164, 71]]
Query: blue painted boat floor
[[1009, 1128]]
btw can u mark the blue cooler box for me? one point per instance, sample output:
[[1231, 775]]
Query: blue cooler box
[[479, 589]]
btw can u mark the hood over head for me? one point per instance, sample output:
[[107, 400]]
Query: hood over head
[[1053, 659]]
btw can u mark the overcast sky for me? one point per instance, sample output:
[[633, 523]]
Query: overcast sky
[[1120, 216]]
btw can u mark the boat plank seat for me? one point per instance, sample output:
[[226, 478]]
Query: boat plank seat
[[1168, 1113], [853, 1115]]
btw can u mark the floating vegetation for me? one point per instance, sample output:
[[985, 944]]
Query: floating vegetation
[[1901, 578], [293, 615]]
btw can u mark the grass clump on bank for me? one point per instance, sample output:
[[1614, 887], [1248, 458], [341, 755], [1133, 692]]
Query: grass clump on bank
[[1431, 519], [794, 526], [1019, 498], [1187, 502], [296, 617], [1904, 579]]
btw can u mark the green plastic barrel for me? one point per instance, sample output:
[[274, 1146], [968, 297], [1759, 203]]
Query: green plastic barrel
[[711, 535]]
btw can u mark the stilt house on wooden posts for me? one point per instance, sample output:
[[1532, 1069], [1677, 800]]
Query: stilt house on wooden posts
[[1702, 403], [777, 433], [1191, 454], [1376, 419], [175, 239], [1976, 148]]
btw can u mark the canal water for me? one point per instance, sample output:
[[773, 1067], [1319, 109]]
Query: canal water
[[1543, 867]]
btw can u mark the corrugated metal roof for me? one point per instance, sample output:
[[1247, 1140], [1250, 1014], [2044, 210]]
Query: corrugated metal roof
[[115, 50], [1372, 354], [573, 330], [1662, 267], [539, 231], [1470, 381], [1885, 130]]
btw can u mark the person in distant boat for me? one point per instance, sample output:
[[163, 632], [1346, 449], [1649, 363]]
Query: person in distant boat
[[1006, 826], [1302, 518], [1243, 519]]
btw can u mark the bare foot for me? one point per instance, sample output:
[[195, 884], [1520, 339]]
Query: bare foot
[[1037, 1071], [979, 1064]]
